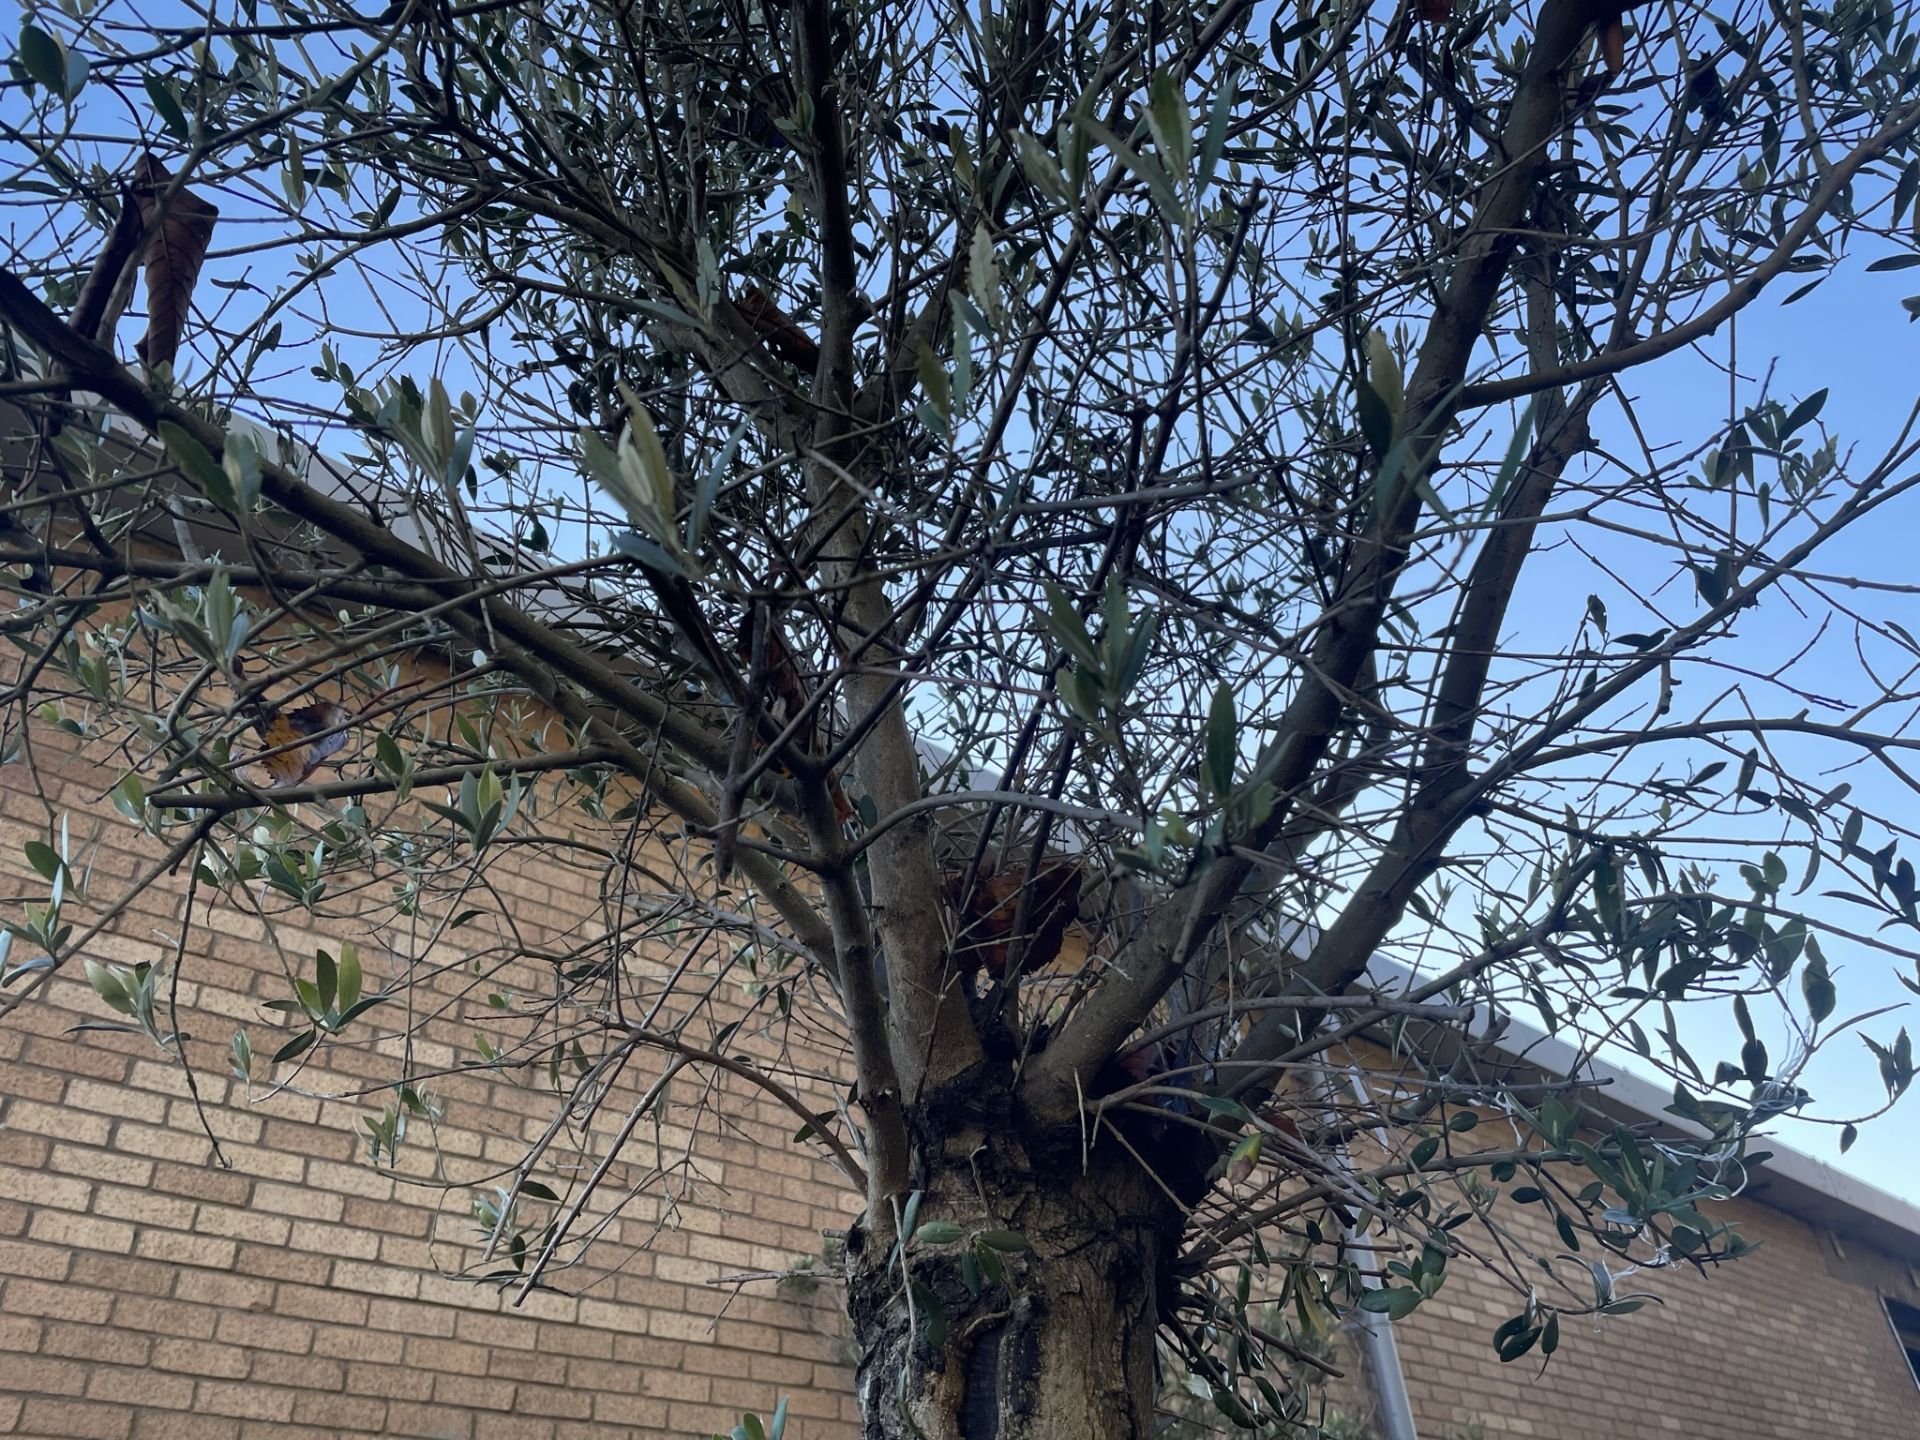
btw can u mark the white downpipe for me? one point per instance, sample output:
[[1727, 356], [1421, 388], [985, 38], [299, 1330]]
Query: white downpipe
[[1393, 1408]]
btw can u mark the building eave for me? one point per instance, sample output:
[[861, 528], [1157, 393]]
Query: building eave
[[1788, 1180]]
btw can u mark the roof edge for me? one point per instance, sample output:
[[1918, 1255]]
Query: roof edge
[[1789, 1180]]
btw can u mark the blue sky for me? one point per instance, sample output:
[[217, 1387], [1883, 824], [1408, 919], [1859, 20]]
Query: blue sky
[[1852, 337]]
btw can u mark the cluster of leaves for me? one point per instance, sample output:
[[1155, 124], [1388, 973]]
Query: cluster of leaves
[[327, 1003], [752, 1428]]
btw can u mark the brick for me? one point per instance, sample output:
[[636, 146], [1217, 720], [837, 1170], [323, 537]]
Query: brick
[[404, 1253], [39, 1190], [276, 1262], [553, 1400], [511, 1427], [163, 1317], [386, 1217], [299, 1201], [26, 1082], [350, 1180], [142, 1388], [578, 1340], [446, 1356], [103, 1343], [242, 1225], [273, 1369], [119, 1102], [178, 1249], [596, 1375], [677, 1384], [249, 1402], [156, 1425], [199, 1357], [474, 1393], [23, 1151], [341, 1412], [76, 1419], [267, 1164], [519, 1365], [154, 1141], [634, 1410], [307, 1138], [325, 1238], [59, 1302], [356, 1344], [334, 1307], [410, 1318], [220, 1186], [40, 1262], [122, 1274], [265, 1332], [427, 1422], [498, 1331], [231, 1291], [80, 1232], [393, 1382], [169, 1080], [59, 1122], [45, 1375], [231, 1127], [374, 1279], [143, 1206], [465, 1295]]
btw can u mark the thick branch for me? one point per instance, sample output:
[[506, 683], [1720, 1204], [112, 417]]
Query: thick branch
[[1444, 790], [363, 785], [1377, 904], [1739, 295], [1350, 629], [933, 1039]]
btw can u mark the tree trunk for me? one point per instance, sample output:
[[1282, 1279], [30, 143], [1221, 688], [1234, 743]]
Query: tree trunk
[[1036, 1320]]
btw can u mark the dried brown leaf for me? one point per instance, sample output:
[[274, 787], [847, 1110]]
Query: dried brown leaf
[[776, 328], [179, 228], [1613, 45], [993, 909]]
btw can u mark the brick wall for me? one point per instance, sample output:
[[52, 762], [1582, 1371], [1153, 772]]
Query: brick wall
[[1788, 1341], [148, 1294]]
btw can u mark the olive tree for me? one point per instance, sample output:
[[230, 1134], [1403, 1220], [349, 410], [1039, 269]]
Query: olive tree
[[1087, 533]]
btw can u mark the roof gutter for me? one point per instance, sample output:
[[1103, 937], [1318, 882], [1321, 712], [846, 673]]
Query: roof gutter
[[1788, 1180]]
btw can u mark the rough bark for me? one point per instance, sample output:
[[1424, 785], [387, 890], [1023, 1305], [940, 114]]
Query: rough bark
[[1065, 1345]]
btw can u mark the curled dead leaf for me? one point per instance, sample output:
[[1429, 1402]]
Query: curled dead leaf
[[179, 227], [299, 741], [1613, 44], [776, 328], [103, 295], [992, 909]]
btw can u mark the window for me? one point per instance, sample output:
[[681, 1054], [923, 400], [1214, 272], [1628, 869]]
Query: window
[[1906, 1329]]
